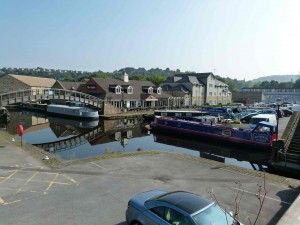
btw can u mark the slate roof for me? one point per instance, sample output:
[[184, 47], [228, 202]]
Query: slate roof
[[198, 75], [185, 87], [194, 78], [137, 85], [69, 85], [34, 81]]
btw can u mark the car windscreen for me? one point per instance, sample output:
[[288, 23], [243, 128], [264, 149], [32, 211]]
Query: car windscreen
[[213, 215]]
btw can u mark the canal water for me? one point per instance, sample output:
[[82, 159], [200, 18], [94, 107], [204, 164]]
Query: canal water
[[71, 139]]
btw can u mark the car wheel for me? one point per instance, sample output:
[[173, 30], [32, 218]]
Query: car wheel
[[135, 223]]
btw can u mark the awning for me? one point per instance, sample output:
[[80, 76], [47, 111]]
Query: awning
[[151, 99]]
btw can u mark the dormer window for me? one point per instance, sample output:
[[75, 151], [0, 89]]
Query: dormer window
[[118, 90], [159, 90], [129, 90], [150, 90]]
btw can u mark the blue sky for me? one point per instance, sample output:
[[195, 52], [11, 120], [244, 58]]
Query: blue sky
[[233, 38]]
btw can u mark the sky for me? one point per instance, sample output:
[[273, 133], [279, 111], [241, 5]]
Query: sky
[[240, 39]]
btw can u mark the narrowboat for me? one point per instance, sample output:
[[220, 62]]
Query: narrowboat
[[182, 114], [73, 112], [261, 136]]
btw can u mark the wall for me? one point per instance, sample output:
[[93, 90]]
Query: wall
[[110, 109]]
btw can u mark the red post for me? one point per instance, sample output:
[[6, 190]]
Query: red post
[[20, 132]]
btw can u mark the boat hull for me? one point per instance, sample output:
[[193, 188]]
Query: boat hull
[[80, 113], [215, 133]]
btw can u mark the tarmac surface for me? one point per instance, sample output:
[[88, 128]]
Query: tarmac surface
[[97, 191]]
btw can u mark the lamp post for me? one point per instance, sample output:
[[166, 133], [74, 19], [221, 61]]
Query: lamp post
[[279, 102], [122, 102]]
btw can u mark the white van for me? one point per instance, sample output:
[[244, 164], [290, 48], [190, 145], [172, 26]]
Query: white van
[[271, 118]]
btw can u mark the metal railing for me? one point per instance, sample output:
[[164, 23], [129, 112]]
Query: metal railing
[[291, 133], [72, 142], [48, 94]]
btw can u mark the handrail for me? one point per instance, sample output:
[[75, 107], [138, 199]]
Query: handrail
[[288, 154], [49, 93], [292, 131], [68, 142]]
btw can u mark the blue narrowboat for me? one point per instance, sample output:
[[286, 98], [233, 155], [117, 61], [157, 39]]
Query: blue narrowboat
[[261, 136]]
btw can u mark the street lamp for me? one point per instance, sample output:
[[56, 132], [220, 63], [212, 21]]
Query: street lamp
[[122, 101], [279, 102]]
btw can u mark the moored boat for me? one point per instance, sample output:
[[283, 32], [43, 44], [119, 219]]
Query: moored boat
[[261, 136], [4, 114], [183, 114], [75, 112]]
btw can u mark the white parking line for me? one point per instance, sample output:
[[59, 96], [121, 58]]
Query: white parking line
[[288, 203], [99, 166]]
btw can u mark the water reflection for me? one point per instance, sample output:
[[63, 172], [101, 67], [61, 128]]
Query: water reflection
[[72, 139], [258, 160]]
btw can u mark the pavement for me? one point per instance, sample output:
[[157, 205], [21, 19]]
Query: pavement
[[97, 191]]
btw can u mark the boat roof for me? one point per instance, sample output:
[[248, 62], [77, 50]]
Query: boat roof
[[179, 111], [69, 107], [267, 124]]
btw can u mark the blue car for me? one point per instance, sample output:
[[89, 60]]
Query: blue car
[[158, 207]]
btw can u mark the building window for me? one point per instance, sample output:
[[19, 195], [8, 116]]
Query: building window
[[210, 85], [118, 90], [150, 90], [129, 90], [210, 93], [91, 87], [159, 90]]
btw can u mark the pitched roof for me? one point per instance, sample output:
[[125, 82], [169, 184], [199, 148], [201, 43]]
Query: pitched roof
[[194, 78], [198, 75], [69, 85], [137, 85], [34, 81]]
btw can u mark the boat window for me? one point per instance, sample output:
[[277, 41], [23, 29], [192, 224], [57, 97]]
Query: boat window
[[262, 129]]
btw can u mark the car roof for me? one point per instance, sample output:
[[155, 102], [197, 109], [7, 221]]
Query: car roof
[[264, 116], [186, 201]]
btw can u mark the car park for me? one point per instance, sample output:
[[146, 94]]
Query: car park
[[175, 208], [268, 111], [287, 112]]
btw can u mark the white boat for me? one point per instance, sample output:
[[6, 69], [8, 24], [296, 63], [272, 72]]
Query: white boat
[[75, 112]]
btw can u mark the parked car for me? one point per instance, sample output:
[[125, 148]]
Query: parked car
[[247, 118], [270, 118], [175, 208], [268, 111], [287, 112]]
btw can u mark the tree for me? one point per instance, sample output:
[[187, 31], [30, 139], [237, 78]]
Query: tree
[[265, 84], [297, 84], [232, 86], [285, 85], [273, 84], [157, 79]]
